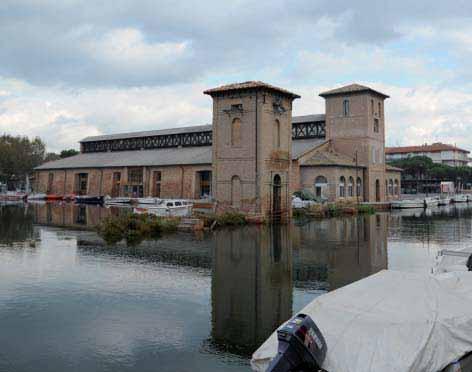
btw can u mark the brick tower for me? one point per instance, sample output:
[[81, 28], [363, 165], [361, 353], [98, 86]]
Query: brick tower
[[355, 124], [252, 141]]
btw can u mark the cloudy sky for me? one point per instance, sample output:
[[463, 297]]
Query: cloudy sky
[[74, 68]]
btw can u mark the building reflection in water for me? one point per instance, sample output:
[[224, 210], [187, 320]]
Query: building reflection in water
[[251, 285], [329, 254], [71, 215], [255, 269]]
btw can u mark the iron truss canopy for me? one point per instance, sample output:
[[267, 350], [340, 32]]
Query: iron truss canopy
[[204, 138], [316, 129], [151, 142]]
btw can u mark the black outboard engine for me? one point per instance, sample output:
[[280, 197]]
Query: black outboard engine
[[469, 263], [302, 347]]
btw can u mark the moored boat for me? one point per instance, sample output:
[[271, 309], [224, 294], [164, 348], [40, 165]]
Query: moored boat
[[459, 198], [431, 201], [408, 203], [117, 200], [167, 208], [36, 196], [425, 319], [86, 199], [53, 197], [13, 196], [444, 200], [148, 200]]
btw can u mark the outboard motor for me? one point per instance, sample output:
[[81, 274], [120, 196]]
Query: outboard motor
[[469, 263], [302, 347]]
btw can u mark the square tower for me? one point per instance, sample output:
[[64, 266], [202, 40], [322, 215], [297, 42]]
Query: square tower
[[252, 143], [355, 125]]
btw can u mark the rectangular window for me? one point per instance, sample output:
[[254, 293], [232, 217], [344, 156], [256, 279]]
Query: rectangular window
[[205, 184], [376, 125], [50, 182], [346, 107], [380, 109], [135, 175], [81, 184], [372, 106], [157, 184]]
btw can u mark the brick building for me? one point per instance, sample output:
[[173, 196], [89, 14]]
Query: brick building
[[440, 153], [252, 158]]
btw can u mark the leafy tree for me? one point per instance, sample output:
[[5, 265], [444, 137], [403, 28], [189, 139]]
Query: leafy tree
[[422, 167], [68, 153], [18, 156]]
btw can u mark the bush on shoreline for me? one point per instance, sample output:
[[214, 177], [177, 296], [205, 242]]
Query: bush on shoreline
[[226, 219], [135, 227]]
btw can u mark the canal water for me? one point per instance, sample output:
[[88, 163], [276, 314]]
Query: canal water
[[185, 302]]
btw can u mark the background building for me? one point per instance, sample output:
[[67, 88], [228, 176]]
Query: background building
[[252, 158], [438, 152]]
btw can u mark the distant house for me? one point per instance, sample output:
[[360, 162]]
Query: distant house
[[438, 152]]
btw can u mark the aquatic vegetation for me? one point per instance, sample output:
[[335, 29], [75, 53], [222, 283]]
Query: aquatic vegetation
[[231, 218], [365, 209], [134, 228]]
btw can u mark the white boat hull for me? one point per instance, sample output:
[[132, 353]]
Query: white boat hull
[[183, 211], [403, 204], [459, 198]]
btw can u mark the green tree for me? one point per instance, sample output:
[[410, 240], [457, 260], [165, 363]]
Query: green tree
[[68, 153], [18, 156]]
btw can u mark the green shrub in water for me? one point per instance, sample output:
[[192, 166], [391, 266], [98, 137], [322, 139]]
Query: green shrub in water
[[134, 228], [366, 209]]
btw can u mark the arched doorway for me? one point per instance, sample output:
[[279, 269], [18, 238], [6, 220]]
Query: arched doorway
[[377, 190], [277, 197]]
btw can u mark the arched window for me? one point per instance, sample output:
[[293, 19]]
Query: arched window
[[276, 134], [386, 187], [350, 187], [236, 132], [346, 107], [342, 187], [390, 187], [397, 191], [321, 184], [358, 186]]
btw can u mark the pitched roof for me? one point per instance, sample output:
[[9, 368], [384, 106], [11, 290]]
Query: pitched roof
[[166, 156], [435, 147], [148, 133], [157, 157], [248, 85], [301, 146], [352, 88], [330, 157], [308, 118]]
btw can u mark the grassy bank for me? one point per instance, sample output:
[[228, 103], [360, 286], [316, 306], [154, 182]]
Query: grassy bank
[[333, 210], [214, 220], [133, 228]]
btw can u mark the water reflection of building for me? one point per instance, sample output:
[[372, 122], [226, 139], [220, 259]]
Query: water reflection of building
[[337, 252], [251, 285], [70, 215]]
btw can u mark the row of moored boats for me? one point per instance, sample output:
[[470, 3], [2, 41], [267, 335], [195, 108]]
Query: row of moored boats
[[432, 201], [150, 205]]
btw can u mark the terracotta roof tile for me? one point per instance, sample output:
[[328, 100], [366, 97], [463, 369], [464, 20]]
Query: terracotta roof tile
[[249, 85], [435, 147], [352, 88]]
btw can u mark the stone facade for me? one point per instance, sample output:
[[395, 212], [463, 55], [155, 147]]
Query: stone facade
[[252, 158]]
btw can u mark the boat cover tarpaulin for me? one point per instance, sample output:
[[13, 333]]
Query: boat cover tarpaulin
[[391, 321]]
